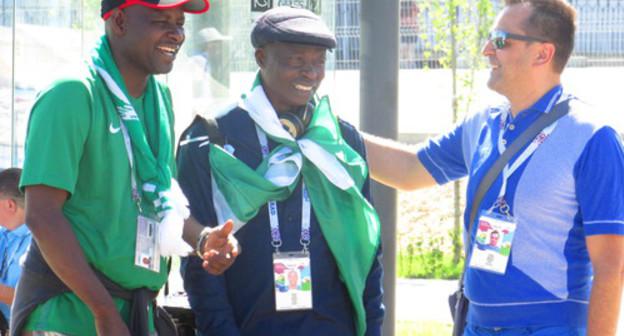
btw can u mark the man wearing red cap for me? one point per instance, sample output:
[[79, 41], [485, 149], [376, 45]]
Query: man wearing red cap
[[103, 204]]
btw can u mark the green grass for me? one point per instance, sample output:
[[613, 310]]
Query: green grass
[[428, 265], [423, 328]]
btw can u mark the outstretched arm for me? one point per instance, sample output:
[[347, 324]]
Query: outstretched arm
[[61, 250], [395, 164]]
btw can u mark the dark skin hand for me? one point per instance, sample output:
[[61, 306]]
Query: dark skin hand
[[51, 230], [220, 247]]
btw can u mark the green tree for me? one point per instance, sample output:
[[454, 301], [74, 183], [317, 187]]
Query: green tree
[[460, 28]]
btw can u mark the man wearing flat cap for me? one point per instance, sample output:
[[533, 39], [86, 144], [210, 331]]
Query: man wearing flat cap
[[99, 176], [294, 179]]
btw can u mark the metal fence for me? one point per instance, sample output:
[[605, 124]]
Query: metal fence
[[55, 13], [599, 37], [600, 33], [241, 20], [57, 29]]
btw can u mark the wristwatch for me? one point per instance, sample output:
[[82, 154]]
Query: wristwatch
[[200, 241]]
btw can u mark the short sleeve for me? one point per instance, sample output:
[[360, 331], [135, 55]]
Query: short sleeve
[[599, 175], [443, 156], [57, 131]]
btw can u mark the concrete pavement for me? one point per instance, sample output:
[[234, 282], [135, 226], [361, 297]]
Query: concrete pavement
[[426, 300], [423, 299], [416, 299]]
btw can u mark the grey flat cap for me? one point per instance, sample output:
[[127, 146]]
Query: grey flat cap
[[291, 25]]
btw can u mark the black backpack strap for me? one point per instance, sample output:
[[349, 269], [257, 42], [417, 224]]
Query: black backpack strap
[[202, 129], [212, 129]]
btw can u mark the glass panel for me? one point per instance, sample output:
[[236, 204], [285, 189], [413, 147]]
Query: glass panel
[[50, 43], [217, 61], [200, 80], [6, 61]]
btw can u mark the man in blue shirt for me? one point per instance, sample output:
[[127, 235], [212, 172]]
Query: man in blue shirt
[[14, 238], [299, 199], [557, 267]]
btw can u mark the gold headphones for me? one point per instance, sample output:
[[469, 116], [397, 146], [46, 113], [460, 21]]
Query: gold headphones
[[296, 122]]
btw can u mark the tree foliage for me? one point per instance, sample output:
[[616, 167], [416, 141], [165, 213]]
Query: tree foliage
[[460, 29]]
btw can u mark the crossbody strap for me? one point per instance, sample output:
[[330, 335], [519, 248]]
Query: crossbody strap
[[527, 136]]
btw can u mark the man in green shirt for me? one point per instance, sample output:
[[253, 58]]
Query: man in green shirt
[[102, 201]]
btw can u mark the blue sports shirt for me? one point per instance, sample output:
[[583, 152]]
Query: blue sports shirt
[[13, 245], [568, 189]]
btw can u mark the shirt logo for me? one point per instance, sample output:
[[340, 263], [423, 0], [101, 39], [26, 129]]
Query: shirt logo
[[112, 129]]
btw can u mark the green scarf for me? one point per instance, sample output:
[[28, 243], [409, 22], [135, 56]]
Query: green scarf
[[333, 174], [151, 170]]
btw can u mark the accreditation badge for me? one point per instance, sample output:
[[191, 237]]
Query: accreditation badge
[[147, 253], [292, 280], [492, 243]]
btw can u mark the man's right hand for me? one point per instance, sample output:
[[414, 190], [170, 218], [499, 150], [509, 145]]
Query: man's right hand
[[64, 255], [220, 249], [111, 324]]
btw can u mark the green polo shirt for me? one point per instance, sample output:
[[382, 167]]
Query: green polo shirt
[[74, 143]]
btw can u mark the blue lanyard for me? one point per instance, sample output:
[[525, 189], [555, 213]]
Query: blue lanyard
[[511, 168], [276, 238]]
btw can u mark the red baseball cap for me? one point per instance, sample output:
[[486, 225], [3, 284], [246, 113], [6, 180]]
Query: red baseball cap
[[189, 6]]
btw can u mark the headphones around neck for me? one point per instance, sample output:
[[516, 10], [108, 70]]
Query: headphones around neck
[[297, 121]]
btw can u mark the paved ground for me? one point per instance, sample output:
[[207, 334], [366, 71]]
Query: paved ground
[[421, 299], [416, 299], [425, 300]]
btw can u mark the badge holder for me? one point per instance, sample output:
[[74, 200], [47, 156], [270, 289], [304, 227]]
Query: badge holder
[[293, 280], [292, 275], [147, 254], [493, 240]]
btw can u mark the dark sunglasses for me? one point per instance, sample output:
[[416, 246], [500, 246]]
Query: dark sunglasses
[[499, 38]]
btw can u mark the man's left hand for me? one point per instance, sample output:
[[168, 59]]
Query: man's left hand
[[220, 249]]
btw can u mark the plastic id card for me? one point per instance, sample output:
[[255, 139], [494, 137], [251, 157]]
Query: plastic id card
[[492, 243], [147, 253], [293, 281]]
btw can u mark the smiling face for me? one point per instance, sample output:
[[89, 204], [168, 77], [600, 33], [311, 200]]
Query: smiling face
[[511, 66], [290, 73], [148, 39]]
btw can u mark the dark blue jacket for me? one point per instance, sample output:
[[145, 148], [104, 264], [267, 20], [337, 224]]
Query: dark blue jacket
[[241, 302]]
